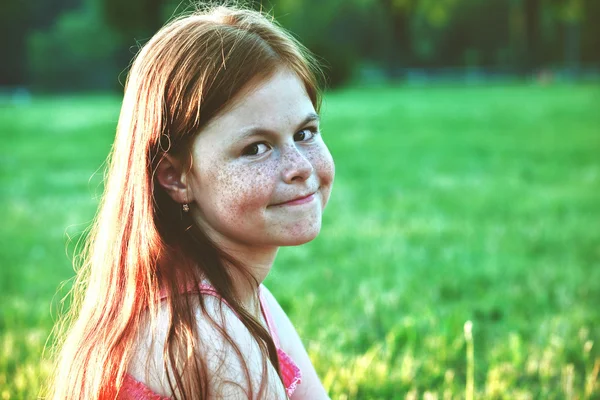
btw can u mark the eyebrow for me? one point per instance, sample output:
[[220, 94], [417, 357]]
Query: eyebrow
[[256, 131]]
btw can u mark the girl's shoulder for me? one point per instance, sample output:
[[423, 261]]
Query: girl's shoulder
[[225, 358]]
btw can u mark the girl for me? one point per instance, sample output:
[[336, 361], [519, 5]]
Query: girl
[[217, 162]]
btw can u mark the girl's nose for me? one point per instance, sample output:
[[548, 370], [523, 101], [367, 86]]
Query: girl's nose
[[296, 167]]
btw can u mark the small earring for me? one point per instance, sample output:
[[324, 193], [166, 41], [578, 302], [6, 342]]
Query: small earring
[[185, 207]]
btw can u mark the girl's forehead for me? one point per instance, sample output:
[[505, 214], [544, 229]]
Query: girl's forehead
[[277, 104]]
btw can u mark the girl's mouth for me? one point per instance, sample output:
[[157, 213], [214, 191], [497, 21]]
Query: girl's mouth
[[298, 200]]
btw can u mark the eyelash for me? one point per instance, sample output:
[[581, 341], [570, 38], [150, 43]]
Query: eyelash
[[313, 130]]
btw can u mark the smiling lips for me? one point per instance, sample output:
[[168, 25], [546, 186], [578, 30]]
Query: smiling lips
[[298, 200]]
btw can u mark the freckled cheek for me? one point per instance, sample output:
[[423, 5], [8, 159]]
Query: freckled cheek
[[244, 191], [323, 164]]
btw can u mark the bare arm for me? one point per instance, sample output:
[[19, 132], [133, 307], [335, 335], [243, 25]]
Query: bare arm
[[311, 387], [225, 367]]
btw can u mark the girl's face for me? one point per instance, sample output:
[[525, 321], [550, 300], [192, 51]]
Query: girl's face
[[261, 173]]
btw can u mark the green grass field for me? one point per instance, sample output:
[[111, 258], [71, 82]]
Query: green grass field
[[451, 204]]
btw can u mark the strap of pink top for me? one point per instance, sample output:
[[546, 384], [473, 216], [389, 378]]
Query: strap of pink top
[[268, 318]]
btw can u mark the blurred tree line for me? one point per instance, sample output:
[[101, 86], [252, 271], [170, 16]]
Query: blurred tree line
[[87, 44]]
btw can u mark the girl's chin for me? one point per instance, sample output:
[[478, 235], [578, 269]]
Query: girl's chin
[[299, 238]]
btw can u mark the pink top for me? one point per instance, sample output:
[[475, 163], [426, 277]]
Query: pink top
[[290, 372]]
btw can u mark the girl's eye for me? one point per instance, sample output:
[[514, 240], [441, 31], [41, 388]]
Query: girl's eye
[[255, 149], [305, 134]]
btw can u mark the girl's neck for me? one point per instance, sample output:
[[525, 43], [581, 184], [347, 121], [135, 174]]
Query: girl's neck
[[258, 262]]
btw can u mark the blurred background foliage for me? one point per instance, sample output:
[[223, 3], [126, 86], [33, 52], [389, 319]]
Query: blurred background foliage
[[84, 44]]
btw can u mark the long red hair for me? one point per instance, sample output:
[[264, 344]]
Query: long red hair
[[140, 243]]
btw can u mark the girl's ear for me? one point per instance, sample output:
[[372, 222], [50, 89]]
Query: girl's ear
[[172, 178]]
